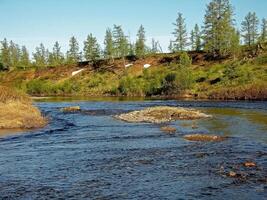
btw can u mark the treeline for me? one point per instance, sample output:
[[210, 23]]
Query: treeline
[[116, 45], [218, 36]]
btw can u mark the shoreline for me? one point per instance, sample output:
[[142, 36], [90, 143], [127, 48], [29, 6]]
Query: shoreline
[[161, 97]]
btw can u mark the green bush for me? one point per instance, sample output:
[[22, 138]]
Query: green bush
[[131, 86]]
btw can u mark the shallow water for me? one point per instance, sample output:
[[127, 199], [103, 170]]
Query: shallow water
[[91, 155]]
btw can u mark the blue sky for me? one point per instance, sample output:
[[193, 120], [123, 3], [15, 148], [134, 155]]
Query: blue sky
[[30, 22]]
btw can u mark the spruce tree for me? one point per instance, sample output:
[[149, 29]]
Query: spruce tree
[[180, 34], [91, 48], [250, 29], [109, 46], [263, 37], [24, 58], [5, 55], [14, 54], [218, 28], [40, 56], [196, 38], [56, 57], [140, 47], [73, 54], [121, 44]]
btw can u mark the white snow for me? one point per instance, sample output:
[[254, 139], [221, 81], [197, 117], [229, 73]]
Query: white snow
[[147, 65], [76, 72], [129, 65]]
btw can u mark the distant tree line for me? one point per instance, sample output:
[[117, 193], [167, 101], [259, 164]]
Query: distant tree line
[[218, 36]]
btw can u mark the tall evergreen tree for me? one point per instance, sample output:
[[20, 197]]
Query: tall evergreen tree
[[91, 48], [56, 57], [121, 44], [140, 46], [24, 58], [196, 38], [5, 55], [14, 54], [180, 34], [40, 56], [73, 54], [250, 28], [218, 27], [109, 46], [263, 37]]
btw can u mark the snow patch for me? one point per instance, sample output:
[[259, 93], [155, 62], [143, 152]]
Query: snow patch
[[147, 66], [77, 72], [128, 65]]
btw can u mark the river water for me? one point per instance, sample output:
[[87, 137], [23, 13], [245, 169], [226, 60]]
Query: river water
[[91, 155]]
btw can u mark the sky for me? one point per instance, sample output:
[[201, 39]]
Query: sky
[[30, 22]]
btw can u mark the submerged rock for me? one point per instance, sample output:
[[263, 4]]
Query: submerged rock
[[162, 114], [71, 109], [204, 138], [249, 164], [168, 129]]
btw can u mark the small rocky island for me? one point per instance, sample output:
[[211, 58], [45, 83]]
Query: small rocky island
[[162, 114]]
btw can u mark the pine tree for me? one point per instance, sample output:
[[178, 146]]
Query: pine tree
[[109, 46], [218, 28], [40, 56], [196, 39], [5, 55], [24, 58], [14, 54], [56, 57], [156, 48], [263, 37], [73, 54], [121, 44], [180, 34], [250, 29], [91, 48], [140, 47]]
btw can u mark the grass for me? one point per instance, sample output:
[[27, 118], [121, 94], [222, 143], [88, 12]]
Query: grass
[[17, 111]]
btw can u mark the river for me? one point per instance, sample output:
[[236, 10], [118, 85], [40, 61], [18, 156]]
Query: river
[[91, 155]]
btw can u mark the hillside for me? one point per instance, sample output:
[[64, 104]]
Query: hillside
[[206, 77]]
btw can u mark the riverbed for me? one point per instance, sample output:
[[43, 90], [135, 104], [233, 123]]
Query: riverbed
[[92, 155]]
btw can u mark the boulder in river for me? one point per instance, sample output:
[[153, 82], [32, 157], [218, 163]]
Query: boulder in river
[[204, 138], [71, 109], [168, 129], [162, 114]]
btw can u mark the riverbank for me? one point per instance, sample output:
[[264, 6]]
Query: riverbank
[[17, 111], [225, 79]]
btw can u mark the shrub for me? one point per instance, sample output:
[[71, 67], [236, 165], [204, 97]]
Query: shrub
[[185, 60], [131, 86]]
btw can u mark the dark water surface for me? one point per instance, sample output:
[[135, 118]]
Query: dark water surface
[[91, 155]]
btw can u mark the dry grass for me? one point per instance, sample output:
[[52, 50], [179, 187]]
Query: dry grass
[[17, 112], [10, 95]]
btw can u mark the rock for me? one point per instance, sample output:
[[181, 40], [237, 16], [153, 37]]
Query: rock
[[204, 138], [249, 164], [232, 174], [168, 129], [71, 109], [162, 114]]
